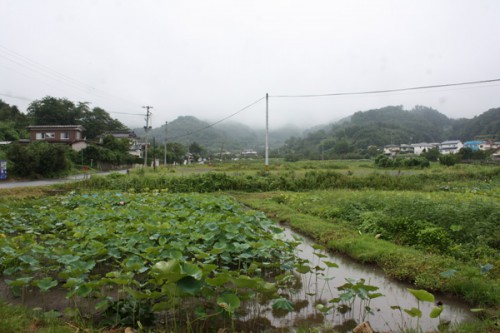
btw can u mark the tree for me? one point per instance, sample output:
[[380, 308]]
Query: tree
[[119, 145], [38, 159], [342, 147], [176, 152], [12, 123], [56, 111], [97, 121], [196, 149], [448, 160], [431, 154], [61, 111]]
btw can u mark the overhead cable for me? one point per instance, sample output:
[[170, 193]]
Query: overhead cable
[[387, 90], [47, 72], [219, 121]]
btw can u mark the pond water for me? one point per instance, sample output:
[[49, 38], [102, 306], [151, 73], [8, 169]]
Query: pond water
[[317, 289]]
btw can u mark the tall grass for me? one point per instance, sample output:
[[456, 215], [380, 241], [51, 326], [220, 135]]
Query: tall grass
[[284, 180]]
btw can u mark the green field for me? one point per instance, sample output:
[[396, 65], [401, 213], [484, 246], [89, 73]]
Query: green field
[[148, 245]]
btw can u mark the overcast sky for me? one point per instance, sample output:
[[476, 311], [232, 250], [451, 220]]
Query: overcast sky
[[211, 58]]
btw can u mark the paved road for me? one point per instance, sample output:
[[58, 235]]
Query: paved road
[[46, 182]]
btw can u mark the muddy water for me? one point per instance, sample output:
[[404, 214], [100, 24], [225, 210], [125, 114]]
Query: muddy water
[[319, 290]]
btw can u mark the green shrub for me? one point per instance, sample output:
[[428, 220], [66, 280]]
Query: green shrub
[[38, 159], [383, 161], [448, 160]]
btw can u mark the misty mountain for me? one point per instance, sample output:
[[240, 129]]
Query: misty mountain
[[228, 136], [357, 135]]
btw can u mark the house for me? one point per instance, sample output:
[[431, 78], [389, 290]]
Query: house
[[496, 156], [135, 148], [120, 135], [248, 153], [423, 147], [68, 134], [450, 147], [475, 145], [391, 150], [406, 149]]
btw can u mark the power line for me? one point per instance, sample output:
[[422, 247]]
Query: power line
[[219, 121], [45, 71], [127, 113], [387, 90], [17, 97]]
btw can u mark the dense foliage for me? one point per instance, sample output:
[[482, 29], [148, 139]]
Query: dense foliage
[[433, 221], [486, 126], [364, 133], [288, 181], [61, 111], [384, 161], [112, 151], [12, 123], [194, 256], [38, 159]]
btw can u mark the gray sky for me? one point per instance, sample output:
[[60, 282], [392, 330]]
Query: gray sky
[[210, 58]]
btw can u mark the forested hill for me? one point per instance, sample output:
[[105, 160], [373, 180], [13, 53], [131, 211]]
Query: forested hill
[[228, 136], [484, 126], [364, 132]]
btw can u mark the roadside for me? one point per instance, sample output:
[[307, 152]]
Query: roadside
[[46, 182]]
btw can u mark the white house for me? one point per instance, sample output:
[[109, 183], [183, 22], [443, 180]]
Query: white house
[[450, 147], [391, 150], [406, 149], [419, 148], [248, 153]]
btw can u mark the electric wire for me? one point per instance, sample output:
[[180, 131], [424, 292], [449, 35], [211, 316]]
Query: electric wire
[[17, 97], [45, 71], [387, 90], [217, 122]]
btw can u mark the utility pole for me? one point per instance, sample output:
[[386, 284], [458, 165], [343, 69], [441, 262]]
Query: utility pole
[[165, 159], [146, 129], [267, 135], [221, 149], [154, 156]]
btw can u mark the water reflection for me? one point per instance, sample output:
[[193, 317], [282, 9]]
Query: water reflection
[[312, 293]]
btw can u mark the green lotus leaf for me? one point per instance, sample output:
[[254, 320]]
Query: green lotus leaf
[[229, 302], [303, 269], [283, 304], [191, 270], [189, 285], [244, 281], [19, 282], [46, 284], [169, 270], [436, 311], [414, 312], [219, 279], [422, 295]]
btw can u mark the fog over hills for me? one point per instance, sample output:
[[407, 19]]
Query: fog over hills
[[377, 127]]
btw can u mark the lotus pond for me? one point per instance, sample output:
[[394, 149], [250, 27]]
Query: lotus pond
[[182, 262]]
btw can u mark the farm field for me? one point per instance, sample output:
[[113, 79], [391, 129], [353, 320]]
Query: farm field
[[144, 248]]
